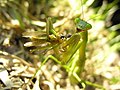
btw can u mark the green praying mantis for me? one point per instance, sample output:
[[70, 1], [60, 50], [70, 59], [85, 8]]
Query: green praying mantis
[[67, 47]]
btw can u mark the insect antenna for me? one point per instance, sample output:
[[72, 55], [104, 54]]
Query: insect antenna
[[82, 10]]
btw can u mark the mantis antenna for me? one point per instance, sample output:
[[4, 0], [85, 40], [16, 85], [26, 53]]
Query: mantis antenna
[[82, 9]]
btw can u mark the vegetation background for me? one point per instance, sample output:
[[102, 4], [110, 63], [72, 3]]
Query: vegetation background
[[102, 66]]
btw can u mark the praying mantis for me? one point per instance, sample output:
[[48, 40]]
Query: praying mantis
[[67, 47]]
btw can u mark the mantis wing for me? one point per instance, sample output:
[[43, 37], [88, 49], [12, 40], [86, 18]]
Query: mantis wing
[[72, 46]]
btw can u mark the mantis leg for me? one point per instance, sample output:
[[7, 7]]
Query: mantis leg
[[68, 69], [46, 59]]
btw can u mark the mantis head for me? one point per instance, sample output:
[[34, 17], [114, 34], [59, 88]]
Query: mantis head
[[82, 25]]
